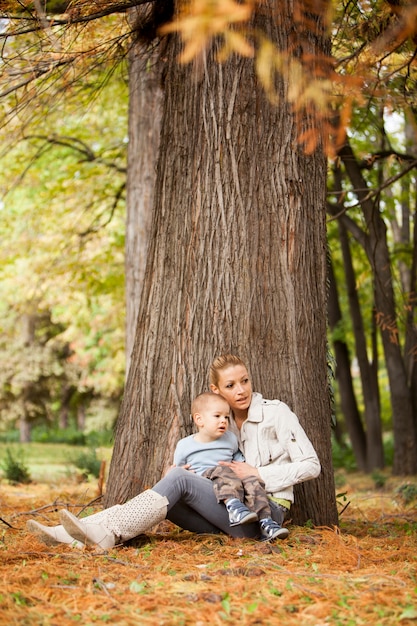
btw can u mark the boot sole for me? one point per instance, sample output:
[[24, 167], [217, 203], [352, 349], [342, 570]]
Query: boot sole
[[81, 532], [33, 528], [74, 528]]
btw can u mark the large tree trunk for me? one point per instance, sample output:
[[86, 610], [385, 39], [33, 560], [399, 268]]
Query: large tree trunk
[[236, 263], [145, 109]]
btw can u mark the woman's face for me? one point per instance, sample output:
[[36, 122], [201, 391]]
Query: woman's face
[[235, 386]]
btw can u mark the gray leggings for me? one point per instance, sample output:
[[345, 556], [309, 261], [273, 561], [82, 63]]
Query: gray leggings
[[193, 505]]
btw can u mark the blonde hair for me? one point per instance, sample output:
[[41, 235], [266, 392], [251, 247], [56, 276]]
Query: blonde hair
[[201, 401], [220, 363]]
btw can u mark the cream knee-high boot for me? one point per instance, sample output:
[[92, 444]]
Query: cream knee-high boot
[[52, 535], [118, 523]]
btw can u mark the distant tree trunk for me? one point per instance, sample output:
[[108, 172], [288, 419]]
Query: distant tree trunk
[[374, 241], [410, 209], [368, 371], [81, 417], [24, 425], [406, 238], [28, 321], [63, 418], [237, 262], [145, 107], [348, 402], [66, 394]]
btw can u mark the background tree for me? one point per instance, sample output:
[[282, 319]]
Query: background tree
[[62, 185], [378, 45], [370, 229], [343, 373]]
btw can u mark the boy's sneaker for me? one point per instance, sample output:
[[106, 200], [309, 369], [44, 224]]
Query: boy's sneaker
[[272, 530], [239, 513]]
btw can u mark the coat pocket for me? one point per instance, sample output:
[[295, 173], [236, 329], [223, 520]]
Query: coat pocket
[[270, 448]]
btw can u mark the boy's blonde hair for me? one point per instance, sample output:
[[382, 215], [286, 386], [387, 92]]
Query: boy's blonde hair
[[201, 401]]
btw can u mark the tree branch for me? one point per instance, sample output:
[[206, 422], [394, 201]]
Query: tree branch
[[73, 18], [368, 162], [36, 73], [95, 228], [79, 146]]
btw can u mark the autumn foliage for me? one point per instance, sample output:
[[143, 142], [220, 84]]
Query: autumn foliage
[[370, 46], [362, 572]]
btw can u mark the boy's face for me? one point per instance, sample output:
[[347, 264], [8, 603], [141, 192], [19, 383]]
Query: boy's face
[[213, 420]]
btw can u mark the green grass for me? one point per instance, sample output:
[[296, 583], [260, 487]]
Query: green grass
[[49, 462]]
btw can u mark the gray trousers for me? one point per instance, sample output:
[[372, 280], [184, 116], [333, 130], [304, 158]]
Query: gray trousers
[[193, 505]]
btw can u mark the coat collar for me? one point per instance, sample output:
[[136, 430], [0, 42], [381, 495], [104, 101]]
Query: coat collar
[[255, 409]]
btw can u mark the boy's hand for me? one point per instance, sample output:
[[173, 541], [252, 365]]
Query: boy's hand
[[186, 467]]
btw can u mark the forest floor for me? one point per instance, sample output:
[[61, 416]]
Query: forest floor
[[363, 572]]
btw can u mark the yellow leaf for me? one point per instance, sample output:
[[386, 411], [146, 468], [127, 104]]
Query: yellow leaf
[[193, 49], [202, 20], [266, 65], [235, 42]]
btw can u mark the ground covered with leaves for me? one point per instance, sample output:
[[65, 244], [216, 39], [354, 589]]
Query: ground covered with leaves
[[363, 572]]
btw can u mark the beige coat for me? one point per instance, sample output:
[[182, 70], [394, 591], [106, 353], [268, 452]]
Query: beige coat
[[274, 442]]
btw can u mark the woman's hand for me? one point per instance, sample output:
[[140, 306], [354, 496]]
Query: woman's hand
[[242, 470]]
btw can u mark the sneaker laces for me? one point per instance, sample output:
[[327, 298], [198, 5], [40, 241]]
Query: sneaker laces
[[269, 526], [270, 529], [237, 510]]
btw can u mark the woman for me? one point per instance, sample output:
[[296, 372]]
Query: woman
[[277, 452]]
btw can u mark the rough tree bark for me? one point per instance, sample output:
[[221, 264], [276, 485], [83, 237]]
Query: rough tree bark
[[145, 110], [236, 262]]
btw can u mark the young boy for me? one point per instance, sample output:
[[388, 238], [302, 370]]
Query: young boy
[[202, 452]]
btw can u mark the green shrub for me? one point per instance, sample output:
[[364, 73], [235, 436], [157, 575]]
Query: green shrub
[[88, 463], [343, 456], [15, 469], [98, 439], [379, 479], [70, 436], [10, 436], [408, 492]]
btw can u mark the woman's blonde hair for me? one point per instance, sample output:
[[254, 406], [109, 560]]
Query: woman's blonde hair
[[220, 363]]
